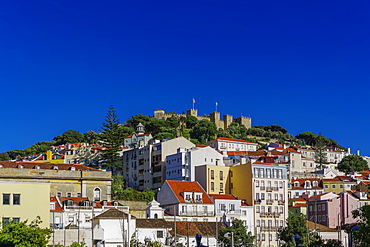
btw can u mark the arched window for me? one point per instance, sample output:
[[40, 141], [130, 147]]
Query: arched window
[[155, 216], [96, 194]]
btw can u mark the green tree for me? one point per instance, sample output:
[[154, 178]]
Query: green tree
[[240, 235], [90, 137], [320, 152], [39, 147], [21, 234], [190, 121], [352, 163], [70, 136], [118, 186], [275, 127], [76, 244], [204, 131], [164, 135], [360, 233], [308, 137], [4, 156], [16, 154], [112, 139]]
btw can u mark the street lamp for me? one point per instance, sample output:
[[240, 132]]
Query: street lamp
[[230, 235]]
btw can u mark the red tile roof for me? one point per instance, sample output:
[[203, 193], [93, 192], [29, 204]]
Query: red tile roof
[[231, 153], [298, 205], [298, 199], [223, 196], [57, 207], [232, 140], [178, 187]]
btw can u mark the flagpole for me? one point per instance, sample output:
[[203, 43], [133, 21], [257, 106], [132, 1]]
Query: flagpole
[[216, 106]]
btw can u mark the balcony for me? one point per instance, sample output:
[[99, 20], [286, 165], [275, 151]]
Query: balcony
[[281, 202], [276, 214], [262, 188], [197, 213], [220, 211], [269, 201], [269, 228], [268, 189], [258, 201], [266, 214]]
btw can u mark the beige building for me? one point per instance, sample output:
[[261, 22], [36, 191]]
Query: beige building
[[19, 202], [214, 179], [70, 180]]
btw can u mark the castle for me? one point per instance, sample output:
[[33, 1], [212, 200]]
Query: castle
[[214, 117]]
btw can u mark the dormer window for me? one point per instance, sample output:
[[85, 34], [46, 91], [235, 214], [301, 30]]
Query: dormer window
[[37, 167], [187, 197], [315, 184], [55, 168], [307, 184], [296, 184], [198, 197], [20, 166], [73, 168]]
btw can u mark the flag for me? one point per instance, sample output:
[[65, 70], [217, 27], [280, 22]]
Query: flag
[[216, 103], [194, 101]]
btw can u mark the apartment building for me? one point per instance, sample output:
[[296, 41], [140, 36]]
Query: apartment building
[[145, 167], [265, 186]]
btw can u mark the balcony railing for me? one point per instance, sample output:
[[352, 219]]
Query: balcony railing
[[264, 214], [236, 211], [281, 202], [268, 189], [269, 201], [257, 201], [269, 228], [208, 213]]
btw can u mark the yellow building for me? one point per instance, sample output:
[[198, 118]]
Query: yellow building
[[22, 201], [265, 186], [48, 157], [337, 184], [65, 180], [214, 179]]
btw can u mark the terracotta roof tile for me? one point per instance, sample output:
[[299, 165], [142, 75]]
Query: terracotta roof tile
[[223, 196], [45, 165], [187, 186], [232, 140]]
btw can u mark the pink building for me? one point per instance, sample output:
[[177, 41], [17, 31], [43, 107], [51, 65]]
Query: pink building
[[332, 210]]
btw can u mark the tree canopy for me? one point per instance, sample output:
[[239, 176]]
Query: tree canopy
[[360, 232], [21, 234], [352, 163], [240, 235], [112, 139]]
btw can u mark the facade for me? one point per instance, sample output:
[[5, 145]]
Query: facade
[[324, 209], [264, 186], [145, 167], [19, 202], [71, 180], [214, 179], [186, 200], [229, 208], [181, 165], [113, 228], [338, 184], [138, 139], [224, 144], [297, 206], [307, 186]]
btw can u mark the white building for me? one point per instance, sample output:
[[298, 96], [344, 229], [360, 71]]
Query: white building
[[224, 144], [186, 200], [181, 166], [228, 208]]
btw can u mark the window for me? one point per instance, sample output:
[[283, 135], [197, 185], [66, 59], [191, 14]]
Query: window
[[319, 207], [263, 237], [79, 194], [159, 234], [258, 223], [16, 199], [244, 213], [262, 196], [323, 207], [326, 186], [280, 184], [221, 186], [6, 220], [212, 186], [96, 194], [257, 209], [333, 186], [59, 194], [212, 174], [223, 207], [232, 207], [69, 194], [6, 199], [221, 175], [257, 196], [16, 220]]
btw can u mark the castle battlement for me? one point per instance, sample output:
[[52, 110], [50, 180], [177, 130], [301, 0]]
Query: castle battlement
[[214, 117]]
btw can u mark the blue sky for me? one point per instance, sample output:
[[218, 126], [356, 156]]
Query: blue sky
[[301, 64]]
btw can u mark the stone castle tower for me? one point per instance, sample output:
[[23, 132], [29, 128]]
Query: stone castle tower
[[213, 117]]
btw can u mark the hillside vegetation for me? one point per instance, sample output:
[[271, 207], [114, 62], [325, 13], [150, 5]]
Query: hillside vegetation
[[189, 127]]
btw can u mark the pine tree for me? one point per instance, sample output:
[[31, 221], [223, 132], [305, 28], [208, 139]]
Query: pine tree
[[320, 152], [112, 138]]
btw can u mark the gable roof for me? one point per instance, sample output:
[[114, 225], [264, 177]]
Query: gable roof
[[185, 228], [178, 187], [152, 223], [223, 196], [112, 214]]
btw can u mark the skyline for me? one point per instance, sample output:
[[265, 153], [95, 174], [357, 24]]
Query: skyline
[[301, 65]]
